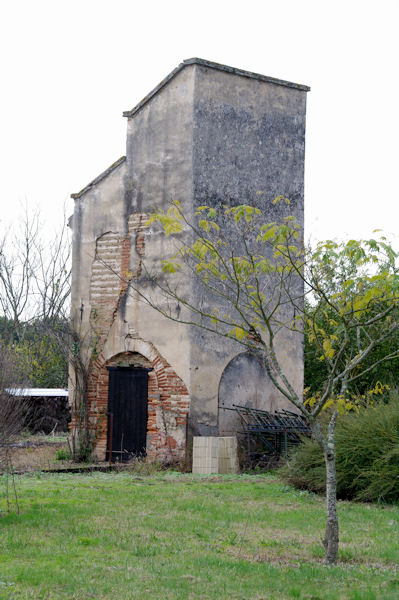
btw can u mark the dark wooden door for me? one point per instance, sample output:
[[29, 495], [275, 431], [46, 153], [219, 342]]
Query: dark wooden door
[[127, 412]]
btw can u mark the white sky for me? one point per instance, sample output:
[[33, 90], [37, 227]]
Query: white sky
[[70, 67]]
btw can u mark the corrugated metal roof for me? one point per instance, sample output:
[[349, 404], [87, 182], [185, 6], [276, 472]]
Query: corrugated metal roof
[[43, 392]]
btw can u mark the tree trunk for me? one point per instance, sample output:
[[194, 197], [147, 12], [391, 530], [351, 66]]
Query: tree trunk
[[331, 538]]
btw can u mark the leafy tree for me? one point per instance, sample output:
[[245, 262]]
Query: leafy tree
[[43, 361], [7, 331], [254, 277], [41, 353], [385, 372]]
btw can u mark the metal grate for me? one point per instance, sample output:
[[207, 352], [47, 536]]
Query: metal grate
[[270, 434]]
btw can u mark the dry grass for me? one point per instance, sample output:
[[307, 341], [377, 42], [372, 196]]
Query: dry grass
[[36, 453]]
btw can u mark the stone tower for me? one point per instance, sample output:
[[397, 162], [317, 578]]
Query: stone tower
[[206, 133]]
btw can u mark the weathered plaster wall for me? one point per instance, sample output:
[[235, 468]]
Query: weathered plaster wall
[[249, 145], [97, 213], [110, 242], [159, 169]]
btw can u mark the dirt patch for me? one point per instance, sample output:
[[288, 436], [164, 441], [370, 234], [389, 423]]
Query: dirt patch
[[34, 455]]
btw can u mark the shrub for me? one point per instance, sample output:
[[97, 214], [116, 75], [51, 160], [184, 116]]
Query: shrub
[[367, 449], [62, 454]]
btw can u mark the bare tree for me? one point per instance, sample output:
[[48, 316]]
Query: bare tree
[[17, 264], [34, 273], [51, 275]]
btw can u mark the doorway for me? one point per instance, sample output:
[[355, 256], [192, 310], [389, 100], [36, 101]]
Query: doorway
[[127, 412]]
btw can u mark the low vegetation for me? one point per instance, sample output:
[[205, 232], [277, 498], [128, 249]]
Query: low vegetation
[[178, 536], [367, 455]]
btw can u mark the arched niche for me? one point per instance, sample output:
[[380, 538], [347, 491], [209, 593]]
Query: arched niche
[[244, 381]]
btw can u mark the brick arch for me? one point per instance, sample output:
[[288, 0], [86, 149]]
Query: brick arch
[[168, 402]]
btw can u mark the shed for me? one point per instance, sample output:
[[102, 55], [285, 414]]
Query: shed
[[47, 409]]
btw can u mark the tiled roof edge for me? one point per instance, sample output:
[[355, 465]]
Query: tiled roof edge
[[100, 177], [219, 67]]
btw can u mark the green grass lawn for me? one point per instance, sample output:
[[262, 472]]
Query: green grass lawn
[[167, 536]]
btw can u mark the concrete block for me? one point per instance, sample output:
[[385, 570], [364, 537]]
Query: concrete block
[[215, 455]]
